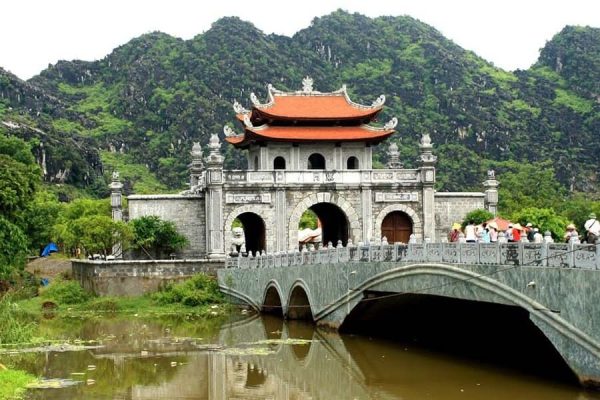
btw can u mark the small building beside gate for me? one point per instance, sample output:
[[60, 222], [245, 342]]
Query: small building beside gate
[[309, 150]]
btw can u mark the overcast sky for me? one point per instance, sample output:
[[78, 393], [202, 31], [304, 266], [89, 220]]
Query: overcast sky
[[509, 33]]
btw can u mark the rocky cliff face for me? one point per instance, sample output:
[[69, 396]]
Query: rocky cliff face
[[27, 111], [153, 96]]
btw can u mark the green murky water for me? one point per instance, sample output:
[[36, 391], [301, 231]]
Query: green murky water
[[259, 358]]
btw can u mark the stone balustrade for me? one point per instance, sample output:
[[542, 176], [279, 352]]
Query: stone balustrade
[[551, 255], [348, 177]]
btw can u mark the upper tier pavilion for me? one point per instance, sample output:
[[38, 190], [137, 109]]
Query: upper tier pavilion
[[307, 129]]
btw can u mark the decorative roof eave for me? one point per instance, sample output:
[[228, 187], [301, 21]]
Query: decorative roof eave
[[307, 90], [361, 133]]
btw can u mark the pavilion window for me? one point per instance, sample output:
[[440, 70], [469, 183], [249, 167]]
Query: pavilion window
[[279, 163], [352, 163], [316, 161]]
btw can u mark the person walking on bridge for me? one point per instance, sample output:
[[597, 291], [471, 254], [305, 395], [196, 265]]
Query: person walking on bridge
[[592, 227], [470, 235]]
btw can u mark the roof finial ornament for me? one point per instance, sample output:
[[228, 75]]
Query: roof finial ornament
[[238, 108], [391, 124], [247, 121], [307, 84], [228, 131], [254, 99], [378, 101]]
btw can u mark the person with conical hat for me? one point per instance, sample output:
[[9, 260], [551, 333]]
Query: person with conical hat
[[592, 229], [454, 234], [570, 233]]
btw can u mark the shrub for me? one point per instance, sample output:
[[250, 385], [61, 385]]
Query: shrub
[[196, 291], [66, 292], [105, 304]]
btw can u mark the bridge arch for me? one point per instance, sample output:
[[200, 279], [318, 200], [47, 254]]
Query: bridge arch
[[412, 214], [258, 216], [299, 302], [567, 339], [272, 303], [323, 197]]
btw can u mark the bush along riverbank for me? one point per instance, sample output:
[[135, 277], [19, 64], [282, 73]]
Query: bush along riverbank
[[198, 296], [36, 322]]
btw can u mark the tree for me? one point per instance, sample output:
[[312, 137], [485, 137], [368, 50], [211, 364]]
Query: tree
[[99, 234], [39, 219], [13, 248], [477, 216], [152, 233], [545, 219], [73, 220], [17, 186], [524, 185]]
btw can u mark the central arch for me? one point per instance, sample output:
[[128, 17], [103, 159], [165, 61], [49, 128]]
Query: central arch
[[353, 223]]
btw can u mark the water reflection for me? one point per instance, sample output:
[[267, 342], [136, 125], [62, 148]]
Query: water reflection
[[178, 359]]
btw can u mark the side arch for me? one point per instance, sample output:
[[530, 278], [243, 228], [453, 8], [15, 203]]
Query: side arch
[[416, 220], [322, 197], [257, 209], [299, 302], [270, 303]]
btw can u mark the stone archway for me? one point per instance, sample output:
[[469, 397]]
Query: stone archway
[[272, 303], [298, 305], [316, 198], [249, 209], [417, 226]]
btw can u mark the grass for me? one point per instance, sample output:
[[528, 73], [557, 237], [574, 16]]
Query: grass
[[13, 383], [15, 326]]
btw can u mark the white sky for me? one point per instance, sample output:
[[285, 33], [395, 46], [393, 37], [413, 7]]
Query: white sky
[[509, 33]]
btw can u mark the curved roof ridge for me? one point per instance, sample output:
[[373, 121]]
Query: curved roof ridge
[[308, 91]]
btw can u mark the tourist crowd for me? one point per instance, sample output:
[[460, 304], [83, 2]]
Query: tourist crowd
[[488, 232]]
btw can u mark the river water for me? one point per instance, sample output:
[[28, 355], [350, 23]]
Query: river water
[[260, 358]]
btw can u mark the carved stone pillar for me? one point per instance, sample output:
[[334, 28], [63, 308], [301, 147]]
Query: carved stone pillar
[[491, 192], [196, 169], [214, 200], [281, 220], [393, 157], [367, 213], [116, 197], [427, 172], [116, 202]]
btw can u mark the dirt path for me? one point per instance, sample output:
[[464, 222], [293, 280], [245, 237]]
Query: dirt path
[[49, 267]]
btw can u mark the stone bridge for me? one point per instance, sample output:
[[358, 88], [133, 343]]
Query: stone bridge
[[557, 284]]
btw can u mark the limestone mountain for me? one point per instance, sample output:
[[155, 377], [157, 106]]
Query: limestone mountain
[[149, 99], [29, 112]]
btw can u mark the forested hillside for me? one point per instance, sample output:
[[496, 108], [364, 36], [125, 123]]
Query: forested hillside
[[141, 106]]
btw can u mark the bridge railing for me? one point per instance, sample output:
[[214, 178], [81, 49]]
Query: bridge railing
[[551, 255]]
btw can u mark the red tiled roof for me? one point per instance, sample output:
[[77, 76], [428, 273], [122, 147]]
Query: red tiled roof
[[334, 106], [310, 134]]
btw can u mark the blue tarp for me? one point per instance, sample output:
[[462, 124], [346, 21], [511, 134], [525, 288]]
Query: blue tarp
[[50, 248]]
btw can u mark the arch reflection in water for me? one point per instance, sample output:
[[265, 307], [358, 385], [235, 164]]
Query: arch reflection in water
[[331, 367]]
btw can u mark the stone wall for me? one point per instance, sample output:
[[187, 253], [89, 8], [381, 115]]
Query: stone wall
[[452, 207], [187, 212], [134, 278]]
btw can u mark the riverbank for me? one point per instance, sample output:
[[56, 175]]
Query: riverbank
[[38, 322]]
